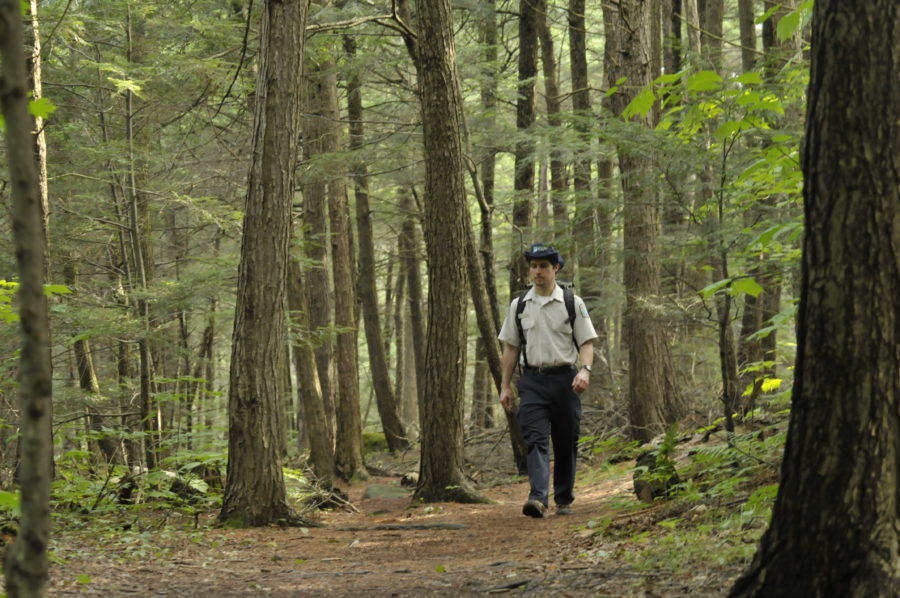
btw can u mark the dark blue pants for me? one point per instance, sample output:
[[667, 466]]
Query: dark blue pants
[[550, 410]]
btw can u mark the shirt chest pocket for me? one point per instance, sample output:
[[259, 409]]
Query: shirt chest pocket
[[527, 323]]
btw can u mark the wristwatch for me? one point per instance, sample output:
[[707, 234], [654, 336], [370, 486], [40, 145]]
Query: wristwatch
[[586, 367]]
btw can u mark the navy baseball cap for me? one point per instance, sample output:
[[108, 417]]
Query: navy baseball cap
[[542, 251]]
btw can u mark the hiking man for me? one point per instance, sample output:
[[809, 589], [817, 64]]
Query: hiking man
[[548, 329]]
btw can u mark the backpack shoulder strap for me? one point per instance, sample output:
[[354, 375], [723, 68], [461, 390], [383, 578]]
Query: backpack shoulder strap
[[520, 307], [569, 300]]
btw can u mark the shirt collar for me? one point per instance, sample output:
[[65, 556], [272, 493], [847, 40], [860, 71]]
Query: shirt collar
[[556, 295]]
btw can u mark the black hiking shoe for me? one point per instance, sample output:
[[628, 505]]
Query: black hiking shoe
[[534, 508]]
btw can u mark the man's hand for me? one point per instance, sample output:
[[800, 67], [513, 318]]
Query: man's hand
[[581, 381], [506, 399]]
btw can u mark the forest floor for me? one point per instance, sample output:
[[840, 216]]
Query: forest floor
[[387, 546]]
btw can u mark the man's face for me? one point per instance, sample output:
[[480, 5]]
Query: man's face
[[543, 272]]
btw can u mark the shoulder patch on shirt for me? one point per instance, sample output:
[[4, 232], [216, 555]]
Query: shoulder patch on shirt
[[584, 311]]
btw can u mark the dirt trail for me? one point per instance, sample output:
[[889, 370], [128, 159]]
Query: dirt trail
[[387, 548]]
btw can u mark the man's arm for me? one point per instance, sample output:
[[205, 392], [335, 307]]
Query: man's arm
[[583, 377], [507, 366]]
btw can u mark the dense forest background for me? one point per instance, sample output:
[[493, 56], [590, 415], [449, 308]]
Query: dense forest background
[[664, 166]]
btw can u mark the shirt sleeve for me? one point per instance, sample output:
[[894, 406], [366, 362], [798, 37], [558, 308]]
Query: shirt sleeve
[[584, 328], [509, 333]]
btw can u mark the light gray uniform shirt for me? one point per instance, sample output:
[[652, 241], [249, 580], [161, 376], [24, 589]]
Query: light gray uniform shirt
[[545, 323]]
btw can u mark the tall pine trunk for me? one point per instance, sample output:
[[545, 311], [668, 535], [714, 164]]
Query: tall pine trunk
[[255, 491], [834, 528], [653, 399], [447, 236], [26, 563]]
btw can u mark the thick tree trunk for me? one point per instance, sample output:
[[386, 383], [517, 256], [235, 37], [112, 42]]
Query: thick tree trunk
[[653, 397], [255, 489], [834, 528], [26, 562], [442, 462], [388, 409]]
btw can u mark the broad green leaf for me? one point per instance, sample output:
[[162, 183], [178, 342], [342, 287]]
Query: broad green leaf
[[728, 129], [640, 105], [788, 25], [747, 286], [41, 107], [56, 289], [83, 579], [440, 569], [770, 384], [766, 15], [751, 78], [668, 78], [712, 289], [704, 81]]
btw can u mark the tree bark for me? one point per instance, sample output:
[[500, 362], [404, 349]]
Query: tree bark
[[348, 453], [388, 409], [409, 258], [558, 182], [26, 562], [321, 456], [653, 397], [319, 286], [255, 492], [442, 461], [747, 26], [834, 527], [523, 183]]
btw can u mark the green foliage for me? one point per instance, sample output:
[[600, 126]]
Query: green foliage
[[9, 505], [7, 293]]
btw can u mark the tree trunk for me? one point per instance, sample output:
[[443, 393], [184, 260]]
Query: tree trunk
[[388, 410], [590, 239], [255, 491], [141, 252], [35, 81], [712, 38], [26, 562], [834, 527], [558, 182], [653, 397], [409, 257], [523, 183], [671, 23], [321, 456], [319, 283], [348, 455], [482, 409], [747, 25], [442, 461], [692, 18]]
